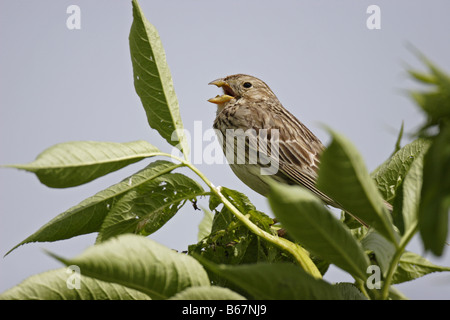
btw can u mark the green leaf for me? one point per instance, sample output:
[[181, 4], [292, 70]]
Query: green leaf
[[435, 102], [422, 77], [390, 175], [238, 199], [207, 293], [74, 163], [153, 82], [409, 198], [244, 205], [412, 266], [275, 281], [344, 177], [149, 206], [204, 228], [229, 241], [399, 139], [142, 264], [382, 249], [315, 228], [395, 294], [434, 208], [88, 215], [53, 285], [349, 291], [267, 251]]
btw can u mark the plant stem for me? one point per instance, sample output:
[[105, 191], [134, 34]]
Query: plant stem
[[300, 254], [359, 283], [395, 259]]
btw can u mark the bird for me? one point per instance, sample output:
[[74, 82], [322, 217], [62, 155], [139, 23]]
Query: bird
[[250, 105]]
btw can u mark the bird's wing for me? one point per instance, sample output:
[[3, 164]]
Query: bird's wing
[[300, 166], [299, 152], [298, 177]]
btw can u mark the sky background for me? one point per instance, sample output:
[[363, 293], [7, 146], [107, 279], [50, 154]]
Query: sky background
[[320, 59]]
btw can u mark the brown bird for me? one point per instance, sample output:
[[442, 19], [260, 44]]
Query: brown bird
[[249, 104]]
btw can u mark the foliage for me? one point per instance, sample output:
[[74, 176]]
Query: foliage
[[435, 193], [241, 253]]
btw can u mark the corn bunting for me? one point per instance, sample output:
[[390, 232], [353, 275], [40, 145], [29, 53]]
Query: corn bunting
[[248, 106]]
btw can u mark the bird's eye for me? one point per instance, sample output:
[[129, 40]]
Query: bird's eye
[[247, 85]]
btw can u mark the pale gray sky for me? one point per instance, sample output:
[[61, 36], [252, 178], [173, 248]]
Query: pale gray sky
[[319, 58]]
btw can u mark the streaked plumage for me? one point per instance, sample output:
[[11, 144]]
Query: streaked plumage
[[248, 103]]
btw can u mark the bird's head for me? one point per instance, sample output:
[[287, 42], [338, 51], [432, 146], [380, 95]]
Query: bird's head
[[240, 86]]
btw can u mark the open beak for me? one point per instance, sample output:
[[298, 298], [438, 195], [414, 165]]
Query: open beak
[[228, 92]]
